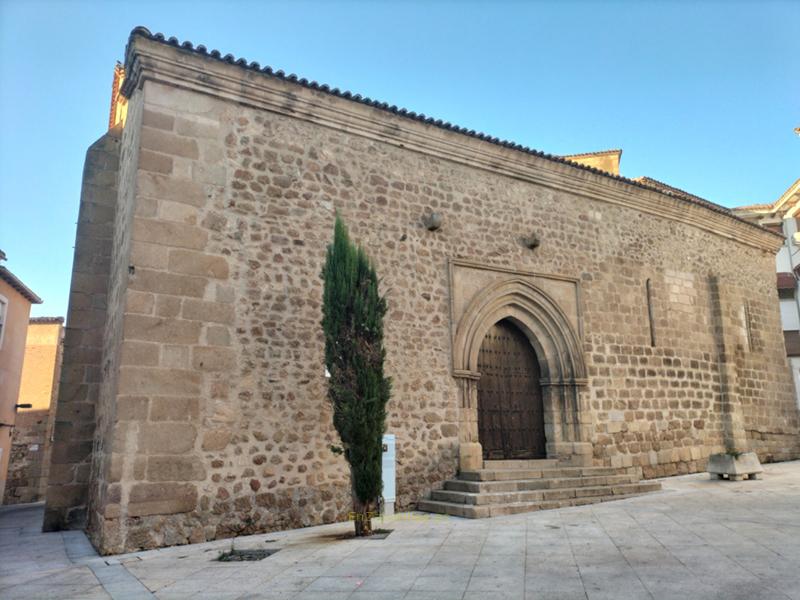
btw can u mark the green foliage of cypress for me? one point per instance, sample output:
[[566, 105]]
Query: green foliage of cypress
[[353, 312]]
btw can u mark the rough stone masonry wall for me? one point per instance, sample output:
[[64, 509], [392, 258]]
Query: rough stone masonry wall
[[27, 465], [768, 420], [220, 413], [715, 377], [28, 469], [81, 373]]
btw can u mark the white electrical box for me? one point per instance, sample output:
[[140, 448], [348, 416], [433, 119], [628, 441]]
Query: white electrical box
[[388, 473]]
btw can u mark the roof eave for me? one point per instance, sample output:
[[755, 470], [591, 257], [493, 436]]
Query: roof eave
[[46, 320], [149, 57], [20, 287]]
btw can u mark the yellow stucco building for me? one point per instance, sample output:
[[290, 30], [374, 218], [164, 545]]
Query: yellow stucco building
[[15, 308], [41, 354]]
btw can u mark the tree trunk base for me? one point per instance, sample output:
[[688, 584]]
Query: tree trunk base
[[363, 527], [362, 518]]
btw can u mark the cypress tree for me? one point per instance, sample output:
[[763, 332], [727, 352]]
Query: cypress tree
[[352, 320]]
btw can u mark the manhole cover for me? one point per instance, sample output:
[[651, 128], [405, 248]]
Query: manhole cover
[[242, 555]]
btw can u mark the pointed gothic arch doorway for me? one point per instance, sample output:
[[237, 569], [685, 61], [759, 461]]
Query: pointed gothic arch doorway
[[481, 302], [510, 403]]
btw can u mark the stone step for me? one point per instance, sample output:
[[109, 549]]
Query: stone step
[[546, 495], [520, 485], [539, 463], [509, 474], [454, 509], [474, 511]]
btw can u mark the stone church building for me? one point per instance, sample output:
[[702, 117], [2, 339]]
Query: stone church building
[[540, 307]]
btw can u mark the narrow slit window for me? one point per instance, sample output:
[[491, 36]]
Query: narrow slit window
[[748, 326], [650, 318]]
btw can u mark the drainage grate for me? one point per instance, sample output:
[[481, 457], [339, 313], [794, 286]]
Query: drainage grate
[[243, 555]]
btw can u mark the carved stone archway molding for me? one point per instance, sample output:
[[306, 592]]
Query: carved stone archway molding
[[546, 308]]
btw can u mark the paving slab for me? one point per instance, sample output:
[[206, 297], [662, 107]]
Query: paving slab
[[697, 538]]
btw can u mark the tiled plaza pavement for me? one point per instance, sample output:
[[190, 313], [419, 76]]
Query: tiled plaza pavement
[[696, 539]]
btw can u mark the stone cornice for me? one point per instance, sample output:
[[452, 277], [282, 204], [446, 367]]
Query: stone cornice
[[473, 264], [149, 59]]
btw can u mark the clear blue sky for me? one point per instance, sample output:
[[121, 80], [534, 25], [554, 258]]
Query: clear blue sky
[[703, 96]]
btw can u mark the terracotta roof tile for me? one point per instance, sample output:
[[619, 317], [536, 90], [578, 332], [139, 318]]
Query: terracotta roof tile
[[763, 207], [46, 320], [673, 191]]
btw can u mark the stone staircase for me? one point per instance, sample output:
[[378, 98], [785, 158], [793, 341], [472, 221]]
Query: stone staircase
[[506, 487]]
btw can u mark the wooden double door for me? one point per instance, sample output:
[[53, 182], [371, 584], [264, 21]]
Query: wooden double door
[[510, 408]]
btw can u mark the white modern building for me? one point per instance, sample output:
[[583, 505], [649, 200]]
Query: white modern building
[[783, 216]]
